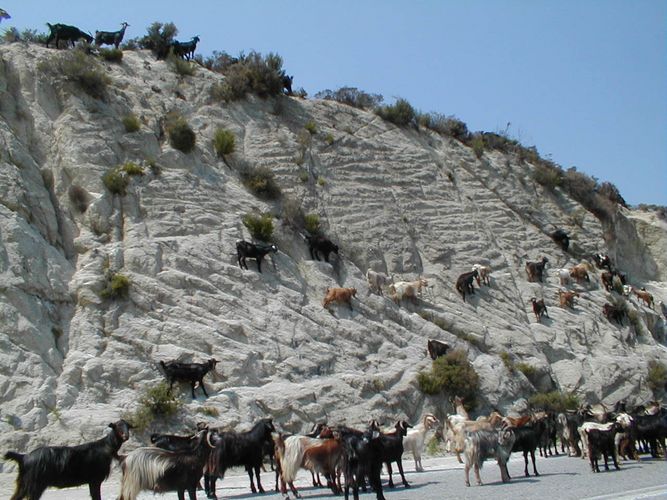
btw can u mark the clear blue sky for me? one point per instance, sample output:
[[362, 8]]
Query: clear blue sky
[[583, 80]]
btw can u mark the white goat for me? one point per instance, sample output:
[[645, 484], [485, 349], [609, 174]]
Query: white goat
[[413, 442], [563, 276], [404, 289], [376, 281]]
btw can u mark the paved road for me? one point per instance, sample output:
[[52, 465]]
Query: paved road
[[561, 478]]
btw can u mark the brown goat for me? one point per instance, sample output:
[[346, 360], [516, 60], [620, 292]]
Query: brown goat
[[567, 298], [339, 295], [580, 273], [645, 296], [539, 308]]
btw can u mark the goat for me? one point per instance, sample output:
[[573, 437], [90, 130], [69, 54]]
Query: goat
[[404, 289], [361, 459], [607, 279], [483, 274], [563, 276], [235, 449], [527, 440], [539, 308], [159, 470], [318, 244], [614, 313], [287, 83], [645, 296], [457, 425], [392, 450], [67, 33], [317, 455], [66, 466], [246, 250], [561, 238], [342, 295], [567, 298], [464, 283], [482, 444], [377, 280], [601, 441], [580, 273], [110, 37], [414, 440], [188, 372], [603, 261], [185, 50], [535, 270], [653, 430], [172, 442], [436, 348]]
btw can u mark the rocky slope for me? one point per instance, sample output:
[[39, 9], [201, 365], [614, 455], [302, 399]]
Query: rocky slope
[[407, 202]]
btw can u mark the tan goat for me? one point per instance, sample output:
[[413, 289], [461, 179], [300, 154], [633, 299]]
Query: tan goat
[[339, 295]]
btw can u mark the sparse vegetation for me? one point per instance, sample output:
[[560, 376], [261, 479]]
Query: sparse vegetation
[[157, 402], [111, 55], [312, 223], [454, 374], [555, 401], [181, 135], [548, 176], [159, 38], [116, 181], [445, 125], [224, 142], [528, 370], [321, 181], [78, 67], [303, 176], [131, 123], [180, 66], [656, 378], [352, 97], [259, 225], [79, 198], [254, 73], [118, 287], [329, 139], [209, 411], [261, 182], [11, 35], [311, 127], [131, 168], [400, 113], [507, 360]]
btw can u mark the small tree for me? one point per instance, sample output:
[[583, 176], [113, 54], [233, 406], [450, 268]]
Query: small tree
[[454, 374], [159, 39], [401, 113]]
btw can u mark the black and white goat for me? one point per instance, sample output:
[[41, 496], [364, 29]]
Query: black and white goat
[[246, 250], [159, 470], [188, 372], [67, 466], [110, 37]]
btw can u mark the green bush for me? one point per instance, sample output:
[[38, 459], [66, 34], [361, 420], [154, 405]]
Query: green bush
[[554, 401], [445, 125], [401, 113], [548, 176], [260, 226], [80, 68], [352, 97], [156, 402], [528, 370], [329, 139], [116, 181], [261, 182], [656, 377], [159, 38], [454, 374], [224, 142], [118, 287], [180, 66], [312, 223], [507, 360], [131, 123], [477, 145], [111, 55], [181, 135], [79, 198], [131, 168], [254, 73], [311, 127]]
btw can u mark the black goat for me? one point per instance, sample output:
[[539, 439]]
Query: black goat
[[653, 430], [392, 450], [287, 84], [561, 238], [66, 466], [614, 313], [464, 283], [603, 262], [188, 372], [527, 441], [67, 33], [236, 449], [185, 50], [320, 244], [535, 270], [600, 441], [436, 348], [158, 470], [110, 37], [362, 458], [246, 250], [539, 308], [175, 443]]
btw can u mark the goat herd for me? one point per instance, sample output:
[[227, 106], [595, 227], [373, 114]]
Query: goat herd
[[347, 458]]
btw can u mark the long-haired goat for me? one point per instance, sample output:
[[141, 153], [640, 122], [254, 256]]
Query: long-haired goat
[[480, 445], [159, 470], [66, 466]]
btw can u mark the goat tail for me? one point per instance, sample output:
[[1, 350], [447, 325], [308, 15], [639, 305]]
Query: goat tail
[[292, 458], [16, 457]]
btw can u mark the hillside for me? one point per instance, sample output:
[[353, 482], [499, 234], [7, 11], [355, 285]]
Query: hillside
[[403, 201]]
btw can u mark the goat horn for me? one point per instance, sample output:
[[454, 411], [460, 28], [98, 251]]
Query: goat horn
[[208, 439]]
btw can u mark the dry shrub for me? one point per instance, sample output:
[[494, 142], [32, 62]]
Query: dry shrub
[[352, 97], [181, 135], [79, 198]]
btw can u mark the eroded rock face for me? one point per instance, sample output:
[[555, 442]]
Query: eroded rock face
[[406, 202]]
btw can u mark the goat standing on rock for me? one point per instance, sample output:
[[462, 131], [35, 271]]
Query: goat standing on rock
[[188, 372], [110, 37], [464, 283], [535, 270], [341, 295], [246, 250], [539, 308]]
